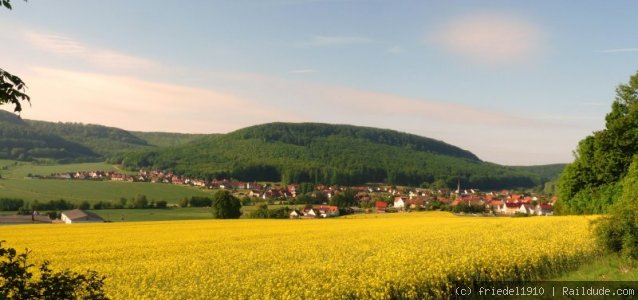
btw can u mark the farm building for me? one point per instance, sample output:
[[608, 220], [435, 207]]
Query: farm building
[[79, 216]]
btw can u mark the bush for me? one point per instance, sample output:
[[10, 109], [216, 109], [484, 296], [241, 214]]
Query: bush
[[17, 281], [161, 204], [225, 205], [618, 231], [84, 205], [8, 204], [201, 201]]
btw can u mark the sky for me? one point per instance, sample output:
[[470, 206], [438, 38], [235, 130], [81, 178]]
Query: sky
[[515, 82]]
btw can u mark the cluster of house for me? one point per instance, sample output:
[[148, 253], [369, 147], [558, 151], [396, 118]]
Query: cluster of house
[[317, 211], [503, 202]]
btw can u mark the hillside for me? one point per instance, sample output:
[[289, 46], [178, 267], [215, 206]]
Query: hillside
[[332, 154], [74, 142]]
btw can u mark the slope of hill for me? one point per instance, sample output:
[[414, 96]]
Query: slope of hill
[[74, 142], [331, 154], [544, 172], [166, 139]]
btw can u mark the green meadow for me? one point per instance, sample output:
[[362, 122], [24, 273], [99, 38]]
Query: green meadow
[[16, 184]]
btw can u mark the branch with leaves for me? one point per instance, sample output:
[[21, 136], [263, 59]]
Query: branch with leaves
[[12, 88]]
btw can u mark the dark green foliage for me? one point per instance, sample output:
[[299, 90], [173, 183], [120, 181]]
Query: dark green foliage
[[103, 205], [591, 183], [17, 280], [545, 173], [329, 154], [7, 204], [12, 88], [225, 205], [161, 204], [184, 202], [618, 231], [59, 204], [475, 208], [140, 201], [262, 212], [164, 139], [200, 201], [72, 142], [344, 199], [84, 205]]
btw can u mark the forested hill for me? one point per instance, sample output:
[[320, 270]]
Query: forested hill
[[323, 153], [74, 142], [303, 134]]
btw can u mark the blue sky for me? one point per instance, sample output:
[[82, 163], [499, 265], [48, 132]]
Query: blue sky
[[515, 82]]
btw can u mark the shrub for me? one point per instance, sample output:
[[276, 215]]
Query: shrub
[[17, 281], [618, 231]]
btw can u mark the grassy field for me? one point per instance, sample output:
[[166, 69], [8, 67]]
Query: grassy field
[[15, 184], [168, 214], [608, 267], [25, 168], [136, 215], [387, 256]]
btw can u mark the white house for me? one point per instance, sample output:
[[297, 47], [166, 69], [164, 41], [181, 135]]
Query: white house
[[399, 203], [79, 216]]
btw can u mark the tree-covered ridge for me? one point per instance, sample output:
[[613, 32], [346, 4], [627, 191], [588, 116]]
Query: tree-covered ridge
[[593, 181], [166, 139], [544, 172], [340, 155], [74, 142], [303, 134]]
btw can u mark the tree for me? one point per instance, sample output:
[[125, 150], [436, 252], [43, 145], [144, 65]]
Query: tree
[[140, 201], [618, 231], [12, 88], [590, 183], [17, 281], [344, 199], [225, 205]]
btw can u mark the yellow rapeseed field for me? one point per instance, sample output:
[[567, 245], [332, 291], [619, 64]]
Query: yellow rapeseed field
[[408, 255]]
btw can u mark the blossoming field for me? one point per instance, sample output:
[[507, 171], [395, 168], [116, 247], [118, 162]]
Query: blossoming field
[[409, 255]]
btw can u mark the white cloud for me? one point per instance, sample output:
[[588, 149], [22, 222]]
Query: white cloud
[[134, 104], [102, 58], [396, 50], [302, 71], [323, 41], [617, 50], [491, 38]]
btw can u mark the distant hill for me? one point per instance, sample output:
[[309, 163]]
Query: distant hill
[[166, 139], [331, 154], [73, 142], [545, 173]]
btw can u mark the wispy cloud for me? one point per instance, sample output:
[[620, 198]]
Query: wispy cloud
[[491, 38], [136, 104], [617, 50], [102, 58], [324, 41], [396, 50], [302, 71]]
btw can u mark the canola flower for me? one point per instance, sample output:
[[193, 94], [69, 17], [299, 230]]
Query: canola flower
[[409, 256]]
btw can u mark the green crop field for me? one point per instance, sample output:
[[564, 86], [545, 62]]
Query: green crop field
[[16, 184], [22, 169], [134, 215]]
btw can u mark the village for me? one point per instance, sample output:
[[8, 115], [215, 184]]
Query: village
[[370, 198]]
